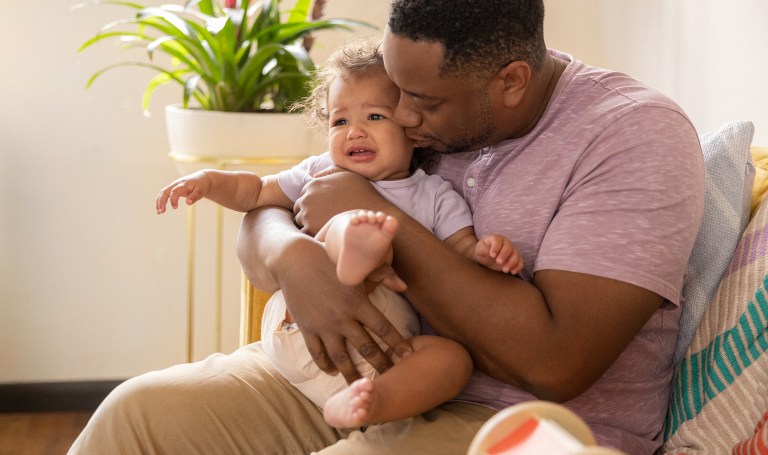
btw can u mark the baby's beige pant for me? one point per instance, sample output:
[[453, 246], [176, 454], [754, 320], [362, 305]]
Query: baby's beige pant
[[239, 404], [292, 359]]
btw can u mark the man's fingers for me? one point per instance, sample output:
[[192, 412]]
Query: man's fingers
[[316, 350], [337, 351], [382, 328]]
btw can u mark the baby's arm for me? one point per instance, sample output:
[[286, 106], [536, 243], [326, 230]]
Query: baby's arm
[[235, 190], [493, 251]]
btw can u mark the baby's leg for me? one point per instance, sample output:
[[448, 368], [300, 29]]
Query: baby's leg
[[359, 244], [435, 372]]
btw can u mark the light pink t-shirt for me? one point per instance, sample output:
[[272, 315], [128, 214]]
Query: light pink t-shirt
[[610, 183], [428, 199]]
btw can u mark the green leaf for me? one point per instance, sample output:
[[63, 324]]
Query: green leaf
[[108, 2], [102, 36], [205, 6], [268, 18], [300, 12], [290, 33], [151, 66], [157, 43], [160, 79], [173, 19], [190, 87], [301, 57], [195, 48]]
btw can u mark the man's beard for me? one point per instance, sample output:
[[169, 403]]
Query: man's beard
[[474, 139], [469, 143]]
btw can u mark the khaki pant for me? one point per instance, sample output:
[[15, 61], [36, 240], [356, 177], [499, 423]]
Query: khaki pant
[[239, 404]]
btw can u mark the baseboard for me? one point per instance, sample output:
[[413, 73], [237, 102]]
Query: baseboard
[[54, 396]]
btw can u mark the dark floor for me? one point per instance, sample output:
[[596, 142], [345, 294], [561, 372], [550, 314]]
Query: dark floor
[[40, 433]]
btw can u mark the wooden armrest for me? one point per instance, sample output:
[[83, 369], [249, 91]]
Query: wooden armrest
[[252, 303]]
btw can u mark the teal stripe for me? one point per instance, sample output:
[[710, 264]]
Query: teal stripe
[[729, 358], [747, 320], [700, 376], [761, 326], [714, 347], [696, 382], [681, 410], [765, 281], [741, 346]]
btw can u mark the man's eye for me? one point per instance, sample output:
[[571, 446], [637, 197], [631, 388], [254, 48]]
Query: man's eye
[[426, 107]]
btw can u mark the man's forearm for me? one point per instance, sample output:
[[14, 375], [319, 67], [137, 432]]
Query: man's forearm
[[553, 337], [459, 297], [264, 234]]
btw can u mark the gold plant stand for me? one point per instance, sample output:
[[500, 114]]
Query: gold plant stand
[[252, 300]]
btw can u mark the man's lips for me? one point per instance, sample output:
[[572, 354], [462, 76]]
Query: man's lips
[[419, 141]]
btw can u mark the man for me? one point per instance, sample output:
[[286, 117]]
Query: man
[[579, 166]]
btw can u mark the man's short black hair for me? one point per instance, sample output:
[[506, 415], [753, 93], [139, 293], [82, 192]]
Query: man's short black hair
[[479, 36]]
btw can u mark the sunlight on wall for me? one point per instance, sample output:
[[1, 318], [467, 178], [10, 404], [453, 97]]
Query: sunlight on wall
[[708, 55]]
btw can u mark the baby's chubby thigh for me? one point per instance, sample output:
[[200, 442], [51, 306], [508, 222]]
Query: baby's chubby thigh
[[285, 346]]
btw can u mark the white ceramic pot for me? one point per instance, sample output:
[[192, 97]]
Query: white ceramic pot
[[265, 143]]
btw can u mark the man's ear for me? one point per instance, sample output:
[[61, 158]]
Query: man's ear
[[513, 81]]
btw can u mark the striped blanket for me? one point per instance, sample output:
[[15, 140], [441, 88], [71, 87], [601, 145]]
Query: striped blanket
[[720, 390]]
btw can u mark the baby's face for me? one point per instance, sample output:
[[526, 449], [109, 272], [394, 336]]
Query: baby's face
[[362, 135]]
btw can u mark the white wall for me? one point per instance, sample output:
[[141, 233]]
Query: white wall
[[711, 56], [93, 283]]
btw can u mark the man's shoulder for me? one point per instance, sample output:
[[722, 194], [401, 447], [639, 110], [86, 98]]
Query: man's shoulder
[[600, 88], [592, 103]]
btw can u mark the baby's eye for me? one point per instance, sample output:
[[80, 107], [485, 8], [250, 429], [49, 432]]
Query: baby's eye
[[376, 117], [339, 122]]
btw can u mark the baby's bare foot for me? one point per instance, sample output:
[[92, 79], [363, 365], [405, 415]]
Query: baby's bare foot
[[366, 245], [352, 406]]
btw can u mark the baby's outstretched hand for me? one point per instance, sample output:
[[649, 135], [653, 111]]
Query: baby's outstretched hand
[[192, 187], [498, 253]]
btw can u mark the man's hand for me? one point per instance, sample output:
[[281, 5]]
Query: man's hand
[[332, 315], [275, 254], [329, 195]]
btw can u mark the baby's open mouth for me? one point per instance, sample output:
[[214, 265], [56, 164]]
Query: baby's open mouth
[[359, 152]]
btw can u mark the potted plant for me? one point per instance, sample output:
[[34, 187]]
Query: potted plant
[[237, 57]]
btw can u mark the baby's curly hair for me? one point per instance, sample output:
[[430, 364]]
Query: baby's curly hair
[[357, 59], [479, 37]]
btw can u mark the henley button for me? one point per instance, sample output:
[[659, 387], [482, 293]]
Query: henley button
[[470, 182]]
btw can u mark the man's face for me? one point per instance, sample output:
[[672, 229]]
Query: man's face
[[447, 114]]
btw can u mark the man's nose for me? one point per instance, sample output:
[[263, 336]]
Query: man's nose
[[407, 114]]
